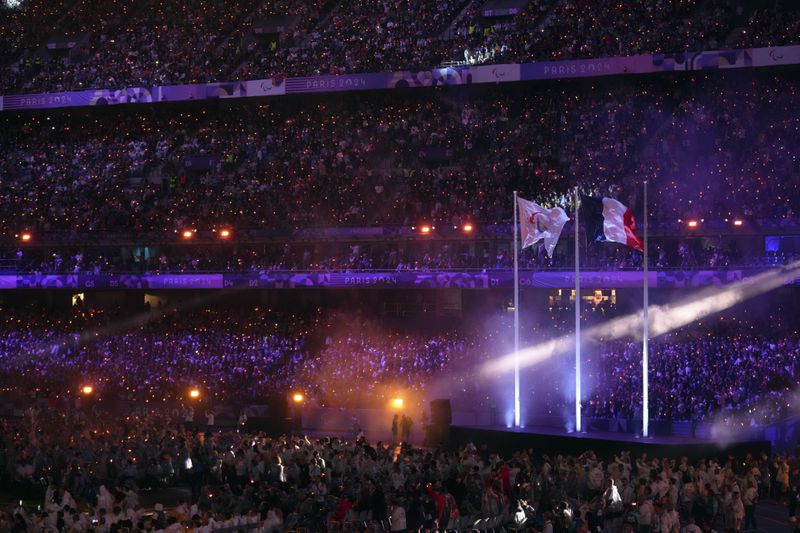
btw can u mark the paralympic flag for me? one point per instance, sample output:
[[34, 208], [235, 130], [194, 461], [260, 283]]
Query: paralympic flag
[[539, 223], [608, 219]]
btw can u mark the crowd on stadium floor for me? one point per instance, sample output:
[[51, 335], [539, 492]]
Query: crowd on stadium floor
[[95, 469]]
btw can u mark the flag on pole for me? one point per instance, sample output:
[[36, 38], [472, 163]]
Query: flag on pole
[[537, 223], [609, 220]]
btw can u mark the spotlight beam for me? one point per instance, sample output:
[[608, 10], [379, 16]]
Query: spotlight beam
[[663, 318]]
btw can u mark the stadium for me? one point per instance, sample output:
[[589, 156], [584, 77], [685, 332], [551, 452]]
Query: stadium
[[469, 265]]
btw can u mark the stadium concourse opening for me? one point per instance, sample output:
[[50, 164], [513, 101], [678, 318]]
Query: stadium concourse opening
[[532, 267]]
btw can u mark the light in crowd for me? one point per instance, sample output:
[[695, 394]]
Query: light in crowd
[[187, 234], [194, 393], [397, 403], [87, 389], [25, 237], [738, 222], [298, 397], [692, 223], [467, 228]]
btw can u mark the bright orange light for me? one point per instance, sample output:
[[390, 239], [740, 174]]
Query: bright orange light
[[194, 393], [187, 234], [87, 389], [738, 222], [25, 237], [467, 228], [425, 230], [397, 403], [692, 223], [297, 397], [225, 233]]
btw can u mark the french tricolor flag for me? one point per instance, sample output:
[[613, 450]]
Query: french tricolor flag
[[608, 219]]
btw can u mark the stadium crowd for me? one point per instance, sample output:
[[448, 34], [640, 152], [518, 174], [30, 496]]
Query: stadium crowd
[[95, 470], [61, 45], [415, 256], [713, 147], [576, 29], [159, 355], [764, 368]]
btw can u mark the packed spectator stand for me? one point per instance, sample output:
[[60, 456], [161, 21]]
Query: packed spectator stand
[[158, 355], [138, 190], [60, 46], [406, 160]]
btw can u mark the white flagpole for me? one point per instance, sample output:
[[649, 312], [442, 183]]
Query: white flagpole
[[645, 332], [577, 319], [516, 317]]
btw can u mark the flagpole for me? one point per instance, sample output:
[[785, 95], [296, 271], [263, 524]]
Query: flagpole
[[577, 320], [516, 317], [645, 332]]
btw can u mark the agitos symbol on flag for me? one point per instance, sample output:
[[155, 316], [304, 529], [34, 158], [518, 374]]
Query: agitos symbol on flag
[[540, 223]]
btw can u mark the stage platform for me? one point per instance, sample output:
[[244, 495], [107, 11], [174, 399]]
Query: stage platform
[[552, 441]]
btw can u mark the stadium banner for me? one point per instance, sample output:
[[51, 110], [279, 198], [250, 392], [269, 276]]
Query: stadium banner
[[435, 77], [431, 280], [584, 68], [698, 278], [49, 281], [777, 55], [652, 63], [144, 95], [184, 281], [79, 98], [566, 279], [372, 81], [214, 91], [505, 73], [270, 87]]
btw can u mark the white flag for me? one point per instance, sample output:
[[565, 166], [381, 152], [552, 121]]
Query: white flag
[[537, 223]]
